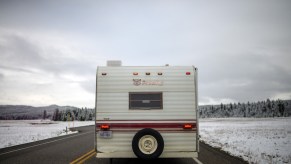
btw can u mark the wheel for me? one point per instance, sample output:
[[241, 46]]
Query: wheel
[[147, 144]]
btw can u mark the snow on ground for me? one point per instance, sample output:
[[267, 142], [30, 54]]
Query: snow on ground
[[15, 132], [256, 140]]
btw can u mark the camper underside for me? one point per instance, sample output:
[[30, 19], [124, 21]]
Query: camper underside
[[176, 145]]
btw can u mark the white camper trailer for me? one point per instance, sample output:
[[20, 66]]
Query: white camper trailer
[[146, 112]]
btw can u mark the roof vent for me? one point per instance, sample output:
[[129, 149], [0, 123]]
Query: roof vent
[[114, 63]]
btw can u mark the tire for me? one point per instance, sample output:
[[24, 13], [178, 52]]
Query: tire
[[147, 144]]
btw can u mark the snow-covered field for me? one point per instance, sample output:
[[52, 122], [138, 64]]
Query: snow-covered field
[[257, 140], [15, 132]]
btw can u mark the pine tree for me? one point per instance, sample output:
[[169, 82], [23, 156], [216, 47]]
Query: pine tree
[[44, 114], [56, 115]]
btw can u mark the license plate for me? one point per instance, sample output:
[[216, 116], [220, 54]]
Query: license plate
[[105, 134]]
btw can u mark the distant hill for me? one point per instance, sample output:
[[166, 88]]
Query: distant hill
[[20, 112], [268, 108]]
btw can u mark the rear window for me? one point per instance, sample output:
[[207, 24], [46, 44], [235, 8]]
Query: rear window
[[144, 100]]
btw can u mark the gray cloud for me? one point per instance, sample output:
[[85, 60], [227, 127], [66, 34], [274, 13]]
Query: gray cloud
[[15, 69], [89, 85], [242, 49], [21, 54], [246, 77]]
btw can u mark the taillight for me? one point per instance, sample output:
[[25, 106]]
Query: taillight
[[187, 126], [135, 73], [188, 73], [105, 127]]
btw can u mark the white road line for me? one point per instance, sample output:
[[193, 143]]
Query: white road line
[[45, 143], [197, 161]]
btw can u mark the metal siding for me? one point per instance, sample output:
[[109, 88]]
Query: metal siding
[[178, 103], [120, 79], [121, 142]]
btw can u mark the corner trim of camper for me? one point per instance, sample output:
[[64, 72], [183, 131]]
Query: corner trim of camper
[[197, 111]]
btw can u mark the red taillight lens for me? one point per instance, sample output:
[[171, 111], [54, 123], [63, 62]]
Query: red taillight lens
[[187, 126], [105, 127], [188, 73], [135, 73]]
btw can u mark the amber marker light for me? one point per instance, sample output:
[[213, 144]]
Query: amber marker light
[[105, 127], [187, 126]]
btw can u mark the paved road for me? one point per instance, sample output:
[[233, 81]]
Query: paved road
[[212, 155], [69, 148], [57, 150]]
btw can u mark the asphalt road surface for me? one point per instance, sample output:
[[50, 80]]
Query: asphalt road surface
[[79, 148]]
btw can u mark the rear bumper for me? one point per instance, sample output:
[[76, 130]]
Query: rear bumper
[[163, 155]]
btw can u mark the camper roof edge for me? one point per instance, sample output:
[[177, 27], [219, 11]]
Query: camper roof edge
[[118, 63]]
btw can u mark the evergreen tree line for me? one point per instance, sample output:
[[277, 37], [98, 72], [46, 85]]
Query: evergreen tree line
[[83, 114], [22, 117], [268, 108]]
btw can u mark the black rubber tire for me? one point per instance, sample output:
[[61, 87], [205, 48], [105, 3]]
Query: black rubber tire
[[142, 133]]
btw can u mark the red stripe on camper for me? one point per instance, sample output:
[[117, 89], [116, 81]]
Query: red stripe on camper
[[146, 125], [172, 120], [158, 125], [159, 130]]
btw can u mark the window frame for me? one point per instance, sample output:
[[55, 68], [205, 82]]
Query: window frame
[[145, 108]]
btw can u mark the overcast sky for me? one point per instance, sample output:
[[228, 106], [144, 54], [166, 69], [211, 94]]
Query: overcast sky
[[49, 50]]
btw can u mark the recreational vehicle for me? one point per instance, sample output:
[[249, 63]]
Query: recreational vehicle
[[146, 112]]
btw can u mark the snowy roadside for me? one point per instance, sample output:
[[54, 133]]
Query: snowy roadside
[[256, 140], [15, 132]]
